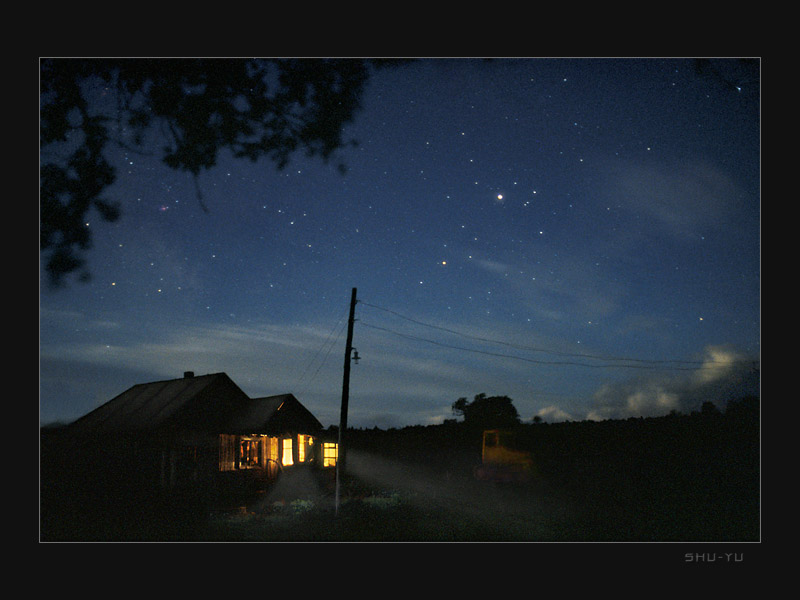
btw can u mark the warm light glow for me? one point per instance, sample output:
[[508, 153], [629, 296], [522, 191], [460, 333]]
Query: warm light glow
[[498, 448], [287, 452], [329, 454], [302, 440]]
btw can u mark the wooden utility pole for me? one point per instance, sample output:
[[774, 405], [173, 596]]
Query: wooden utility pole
[[341, 449]]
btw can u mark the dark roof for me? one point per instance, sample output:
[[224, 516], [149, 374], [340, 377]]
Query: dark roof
[[202, 403], [275, 415], [206, 403]]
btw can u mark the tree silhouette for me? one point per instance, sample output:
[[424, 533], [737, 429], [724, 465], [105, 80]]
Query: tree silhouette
[[255, 108], [733, 75], [486, 412]]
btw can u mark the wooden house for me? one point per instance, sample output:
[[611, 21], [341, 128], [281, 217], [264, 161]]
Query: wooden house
[[197, 432], [271, 433]]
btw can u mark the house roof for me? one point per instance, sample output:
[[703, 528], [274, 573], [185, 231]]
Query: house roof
[[275, 415], [202, 403], [206, 403]]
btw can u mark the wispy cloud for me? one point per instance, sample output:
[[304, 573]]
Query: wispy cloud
[[681, 199], [494, 266], [398, 378], [263, 359], [554, 414], [565, 287], [723, 375]]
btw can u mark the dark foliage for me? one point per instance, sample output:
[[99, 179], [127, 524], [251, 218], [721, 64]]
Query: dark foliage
[[487, 412], [253, 108]]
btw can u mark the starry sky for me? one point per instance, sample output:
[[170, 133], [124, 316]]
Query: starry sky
[[581, 235]]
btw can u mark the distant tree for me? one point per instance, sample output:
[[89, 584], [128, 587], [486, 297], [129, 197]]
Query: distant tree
[[537, 419], [747, 404], [483, 411], [253, 108]]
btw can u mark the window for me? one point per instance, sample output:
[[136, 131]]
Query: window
[[287, 459], [304, 448], [249, 453], [330, 452]]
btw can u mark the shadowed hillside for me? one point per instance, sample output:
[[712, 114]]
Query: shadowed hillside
[[677, 477], [674, 478]]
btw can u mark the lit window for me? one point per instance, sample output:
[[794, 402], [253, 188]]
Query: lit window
[[287, 452], [329, 454], [304, 447]]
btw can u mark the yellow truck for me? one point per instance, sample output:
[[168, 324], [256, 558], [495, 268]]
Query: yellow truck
[[501, 461]]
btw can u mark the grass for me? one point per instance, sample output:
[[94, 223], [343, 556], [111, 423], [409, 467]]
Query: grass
[[368, 519], [463, 511], [394, 501]]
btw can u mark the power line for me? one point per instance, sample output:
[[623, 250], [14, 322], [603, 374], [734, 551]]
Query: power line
[[329, 343], [640, 363], [522, 358]]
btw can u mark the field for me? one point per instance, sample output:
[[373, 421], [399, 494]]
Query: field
[[409, 503], [421, 507], [692, 478]]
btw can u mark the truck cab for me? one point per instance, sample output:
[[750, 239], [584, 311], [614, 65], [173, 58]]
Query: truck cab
[[501, 461]]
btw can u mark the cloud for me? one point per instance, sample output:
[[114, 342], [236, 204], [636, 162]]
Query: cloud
[[398, 382], [633, 399], [564, 287], [554, 413], [681, 199], [718, 364], [494, 266], [262, 359], [722, 375]]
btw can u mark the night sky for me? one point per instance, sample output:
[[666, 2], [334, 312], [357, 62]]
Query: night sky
[[581, 235]]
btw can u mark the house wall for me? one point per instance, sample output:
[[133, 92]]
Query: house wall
[[184, 459], [224, 462], [244, 452]]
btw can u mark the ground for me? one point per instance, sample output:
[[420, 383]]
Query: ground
[[675, 479], [402, 504]]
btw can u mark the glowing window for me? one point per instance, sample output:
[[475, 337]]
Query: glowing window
[[287, 452], [329, 454], [304, 450]]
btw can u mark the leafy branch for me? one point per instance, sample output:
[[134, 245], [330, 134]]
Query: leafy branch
[[255, 108]]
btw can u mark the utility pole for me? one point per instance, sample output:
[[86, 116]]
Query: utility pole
[[341, 452]]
